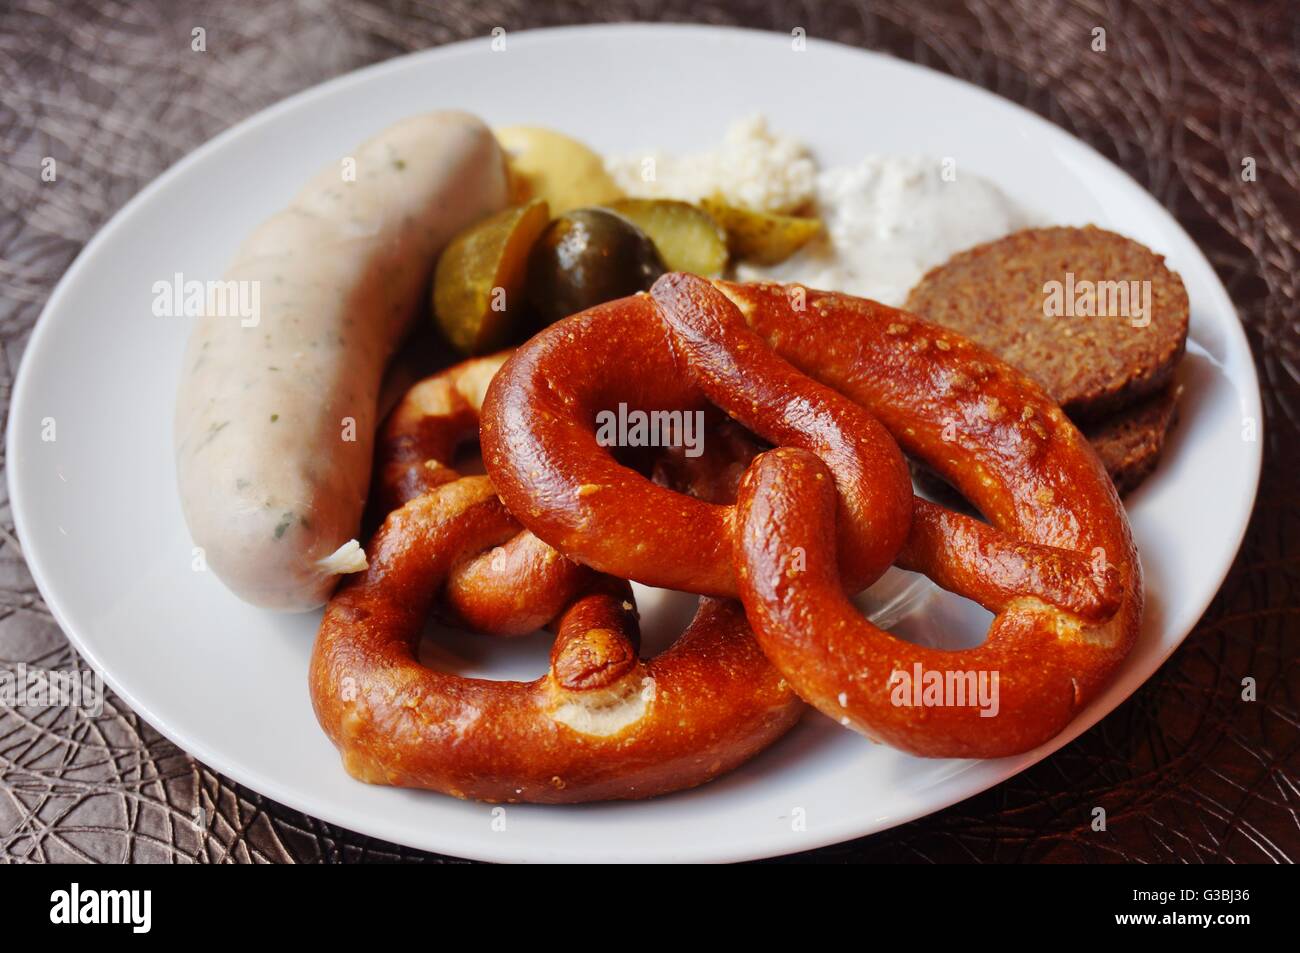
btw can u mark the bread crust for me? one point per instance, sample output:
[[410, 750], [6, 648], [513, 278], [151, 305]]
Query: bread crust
[[1130, 442]]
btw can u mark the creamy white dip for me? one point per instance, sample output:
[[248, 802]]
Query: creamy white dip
[[888, 219]]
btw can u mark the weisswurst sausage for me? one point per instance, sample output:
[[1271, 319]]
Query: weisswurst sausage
[[276, 414]]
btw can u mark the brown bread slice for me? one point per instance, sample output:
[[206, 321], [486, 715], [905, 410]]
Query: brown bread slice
[[995, 294], [1130, 442]]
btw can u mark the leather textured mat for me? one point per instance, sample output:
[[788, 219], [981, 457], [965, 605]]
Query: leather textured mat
[[1186, 770]]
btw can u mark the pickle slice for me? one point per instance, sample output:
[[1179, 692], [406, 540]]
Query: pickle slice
[[762, 237], [478, 287], [687, 237]]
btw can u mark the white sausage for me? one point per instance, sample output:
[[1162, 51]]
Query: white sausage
[[275, 420]]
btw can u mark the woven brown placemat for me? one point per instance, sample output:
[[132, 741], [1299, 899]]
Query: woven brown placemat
[[1183, 94]]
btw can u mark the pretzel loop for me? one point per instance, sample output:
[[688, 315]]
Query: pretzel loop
[[600, 724], [541, 447], [513, 588], [1057, 564]]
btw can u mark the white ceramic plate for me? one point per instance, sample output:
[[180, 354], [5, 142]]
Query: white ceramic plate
[[100, 524]]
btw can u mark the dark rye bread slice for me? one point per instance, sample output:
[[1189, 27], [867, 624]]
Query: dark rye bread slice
[[999, 294], [1129, 443]]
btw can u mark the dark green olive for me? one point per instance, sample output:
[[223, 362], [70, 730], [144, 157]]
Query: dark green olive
[[585, 257]]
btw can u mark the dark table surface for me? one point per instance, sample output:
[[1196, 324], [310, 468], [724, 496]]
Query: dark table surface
[[1186, 770]]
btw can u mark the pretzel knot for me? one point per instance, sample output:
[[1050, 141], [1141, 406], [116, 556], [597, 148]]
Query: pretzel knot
[[836, 383], [600, 724]]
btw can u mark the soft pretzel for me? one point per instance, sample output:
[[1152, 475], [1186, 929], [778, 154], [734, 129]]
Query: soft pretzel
[[601, 724], [540, 446], [1068, 598], [1057, 563], [514, 588]]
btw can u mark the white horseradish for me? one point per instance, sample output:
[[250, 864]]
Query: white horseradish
[[889, 220]]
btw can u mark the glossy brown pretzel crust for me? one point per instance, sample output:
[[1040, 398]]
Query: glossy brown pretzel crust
[[600, 724], [1057, 564]]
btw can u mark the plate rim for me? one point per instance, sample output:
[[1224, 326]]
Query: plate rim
[[979, 777]]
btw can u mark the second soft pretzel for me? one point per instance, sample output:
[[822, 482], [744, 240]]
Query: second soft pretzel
[[600, 724], [513, 588], [1057, 563]]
